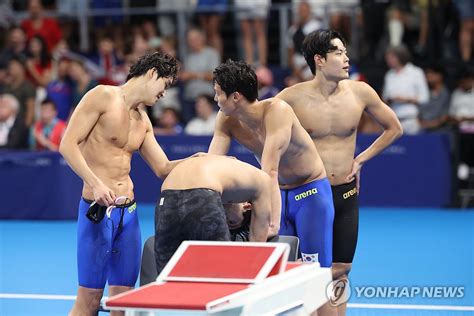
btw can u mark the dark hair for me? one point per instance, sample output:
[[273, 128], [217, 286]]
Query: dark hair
[[208, 98], [464, 73], [437, 68], [237, 76], [49, 101], [401, 52], [19, 60], [319, 43], [165, 65], [79, 62], [44, 56]]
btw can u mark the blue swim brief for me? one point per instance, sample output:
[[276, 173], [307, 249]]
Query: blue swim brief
[[308, 213], [110, 250]]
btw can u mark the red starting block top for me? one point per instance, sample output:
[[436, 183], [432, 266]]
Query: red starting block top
[[226, 262], [175, 295], [220, 262]]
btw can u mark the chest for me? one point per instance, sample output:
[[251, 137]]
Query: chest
[[321, 118], [252, 138], [123, 129]]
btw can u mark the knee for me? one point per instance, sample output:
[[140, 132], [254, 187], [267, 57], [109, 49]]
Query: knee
[[340, 270]]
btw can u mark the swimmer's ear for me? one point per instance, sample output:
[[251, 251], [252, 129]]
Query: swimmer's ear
[[236, 96], [151, 73], [319, 60]]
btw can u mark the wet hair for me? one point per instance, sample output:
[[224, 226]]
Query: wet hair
[[319, 43], [165, 66], [401, 52], [237, 76]]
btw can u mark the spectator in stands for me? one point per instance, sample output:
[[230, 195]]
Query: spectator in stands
[[434, 18], [203, 123], [340, 14], [3, 75], [461, 111], [168, 123], [38, 64], [374, 20], [171, 98], [405, 88], [167, 22], [118, 74], [462, 102], [466, 33], [37, 24], [197, 70], [105, 59], [210, 14], [7, 16], [13, 133], [252, 15], [150, 33], [22, 89], [15, 46], [48, 130], [140, 45], [304, 24], [403, 15], [434, 113], [265, 83], [82, 81], [60, 90]]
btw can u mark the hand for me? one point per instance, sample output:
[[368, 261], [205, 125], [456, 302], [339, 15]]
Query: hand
[[273, 231], [355, 173], [103, 195]]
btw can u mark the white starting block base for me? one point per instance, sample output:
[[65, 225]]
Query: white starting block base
[[298, 289]]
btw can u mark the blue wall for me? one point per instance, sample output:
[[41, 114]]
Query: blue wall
[[415, 171]]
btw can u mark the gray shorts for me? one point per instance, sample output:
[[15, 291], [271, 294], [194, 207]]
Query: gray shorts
[[251, 9], [194, 214]]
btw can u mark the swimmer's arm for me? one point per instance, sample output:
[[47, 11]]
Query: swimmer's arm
[[278, 133], [261, 215], [154, 155], [82, 121], [384, 116], [221, 140]]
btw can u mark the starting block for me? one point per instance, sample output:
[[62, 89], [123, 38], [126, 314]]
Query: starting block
[[229, 278]]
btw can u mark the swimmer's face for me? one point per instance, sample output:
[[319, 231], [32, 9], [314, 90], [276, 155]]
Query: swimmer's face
[[336, 64], [156, 87], [235, 213], [226, 103]]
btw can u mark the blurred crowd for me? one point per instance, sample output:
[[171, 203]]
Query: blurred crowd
[[422, 47]]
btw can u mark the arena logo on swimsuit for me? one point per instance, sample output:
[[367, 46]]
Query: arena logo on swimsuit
[[349, 193], [306, 194]]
